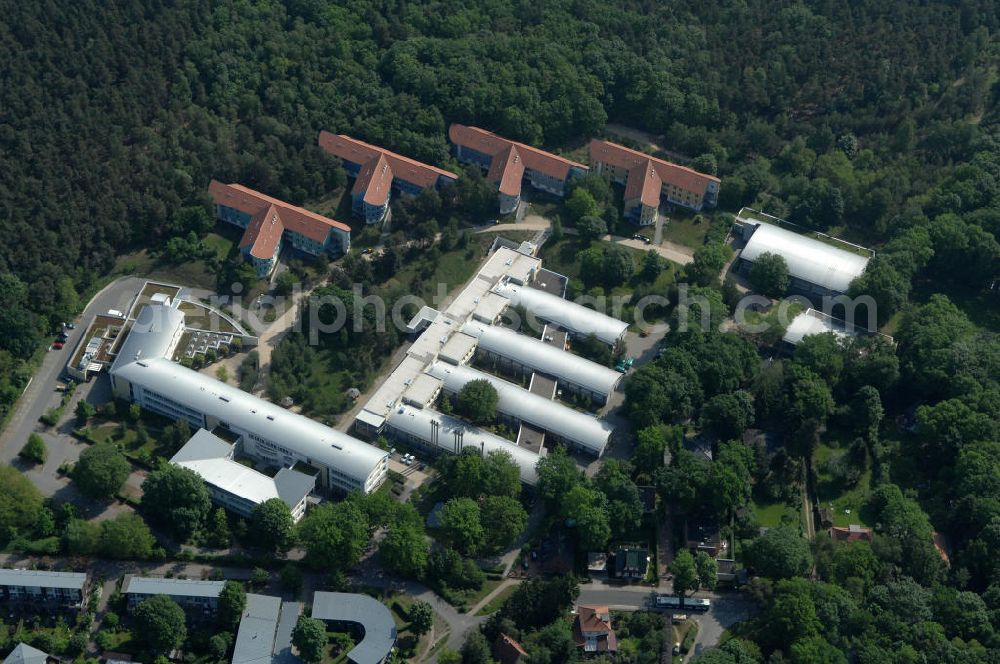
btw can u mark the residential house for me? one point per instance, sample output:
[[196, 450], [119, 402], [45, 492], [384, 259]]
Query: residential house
[[197, 598], [592, 630], [508, 651], [378, 173], [631, 561], [853, 533], [508, 164], [649, 181], [597, 563], [269, 224], [31, 586], [704, 536], [729, 573]]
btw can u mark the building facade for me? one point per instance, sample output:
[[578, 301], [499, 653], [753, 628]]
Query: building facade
[[270, 224], [238, 488], [650, 181], [143, 374], [509, 164], [38, 587], [197, 598], [379, 173]]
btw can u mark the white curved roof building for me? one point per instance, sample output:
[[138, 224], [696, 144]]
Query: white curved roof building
[[439, 431], [583, 430], [146, 377], [571, 316], [809, 260], [538, 355]]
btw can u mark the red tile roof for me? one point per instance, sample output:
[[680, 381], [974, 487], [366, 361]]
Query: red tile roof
[[507, 170], [514, 157], [595, 620], [648, 172], [263, 233], [507, 650], [271, 217], [851, 534], [359, 152], [374, 180]]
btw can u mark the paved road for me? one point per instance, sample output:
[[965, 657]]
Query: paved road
[[41, 394], [728, 608]]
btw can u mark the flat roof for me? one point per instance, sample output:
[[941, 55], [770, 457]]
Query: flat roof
[[422, 391], [490, 307], [809, 260], [151, 585], [543, 413], [458, 348], [445, 432], [373, 616], [569, 315], [541, 356], [42, 579], [258, 624]]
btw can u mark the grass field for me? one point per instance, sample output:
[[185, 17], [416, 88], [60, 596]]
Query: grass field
[[771, 515], [688, 231], [847, 503]]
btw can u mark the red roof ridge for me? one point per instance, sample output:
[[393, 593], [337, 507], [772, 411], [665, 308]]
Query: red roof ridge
[[489, 143], [683, 177], [334, 143]]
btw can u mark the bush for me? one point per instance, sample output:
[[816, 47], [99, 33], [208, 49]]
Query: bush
[[34, 450], [689, 638]]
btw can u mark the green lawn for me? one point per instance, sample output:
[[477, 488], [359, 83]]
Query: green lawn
[[840, 499], [688, 231], [771, 515]]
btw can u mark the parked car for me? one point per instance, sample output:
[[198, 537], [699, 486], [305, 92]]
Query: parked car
[[679, 618], [71, 326], [58, 345], [61, 387]]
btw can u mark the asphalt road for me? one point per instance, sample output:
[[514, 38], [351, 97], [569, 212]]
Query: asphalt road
[[41, 395], [727, 609]]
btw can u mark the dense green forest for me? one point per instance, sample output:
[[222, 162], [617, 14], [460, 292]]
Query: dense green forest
[[874, 120]]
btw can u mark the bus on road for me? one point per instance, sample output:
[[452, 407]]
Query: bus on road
[[671, 602]]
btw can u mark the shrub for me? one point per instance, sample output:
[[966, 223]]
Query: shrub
[[34, 450]]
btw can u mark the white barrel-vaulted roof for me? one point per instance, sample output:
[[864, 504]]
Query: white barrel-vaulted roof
[[540, 356], [574, 317], [197, 392], [420, 424], [588, 432], [810, 260]]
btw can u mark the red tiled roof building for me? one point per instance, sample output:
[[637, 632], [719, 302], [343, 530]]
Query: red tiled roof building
[[509, 163], [378, 172], [649, 180], [508, 651], [592, 629], [853, 533], [268, 223]]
